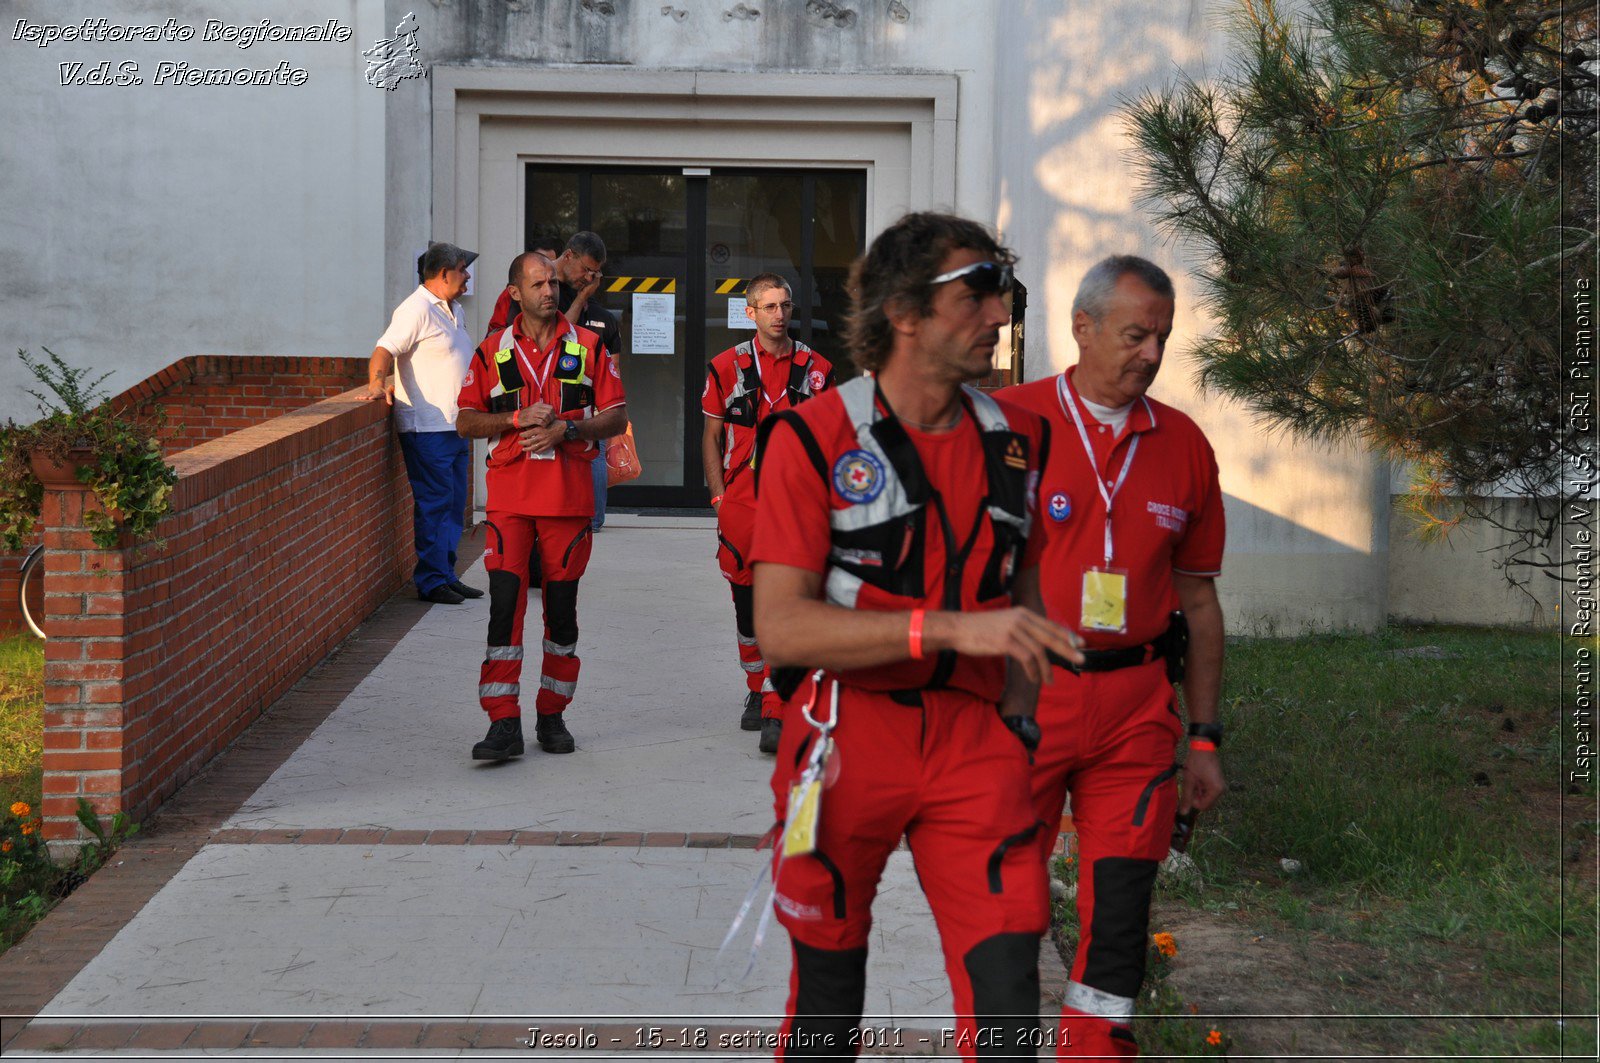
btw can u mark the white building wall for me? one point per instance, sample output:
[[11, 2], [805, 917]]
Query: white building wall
[[149, 223], [144, 223]]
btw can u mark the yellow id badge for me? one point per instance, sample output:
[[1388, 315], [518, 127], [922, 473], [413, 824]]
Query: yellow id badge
[[805, 808], [1105, 600]]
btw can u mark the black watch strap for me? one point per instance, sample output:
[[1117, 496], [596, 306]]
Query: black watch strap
[[1209, 731], [571, 431]]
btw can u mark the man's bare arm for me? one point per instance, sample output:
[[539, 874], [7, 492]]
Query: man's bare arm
[[379, 366], [797, 628], [475, 424], [711, 454], [1022, 694], [1203, 784]]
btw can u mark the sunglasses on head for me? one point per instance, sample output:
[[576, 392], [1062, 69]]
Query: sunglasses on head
[[986, 277]]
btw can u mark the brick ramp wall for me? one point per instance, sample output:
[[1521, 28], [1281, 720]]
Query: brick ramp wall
[[208, 396], [283, 537]]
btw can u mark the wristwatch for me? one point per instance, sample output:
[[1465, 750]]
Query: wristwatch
[[572, 431], [1212, 732]]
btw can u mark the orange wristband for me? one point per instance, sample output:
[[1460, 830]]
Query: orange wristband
[[1203, 744], [514, 415], [916, 633]]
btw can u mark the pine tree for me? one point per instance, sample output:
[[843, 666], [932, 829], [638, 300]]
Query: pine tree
[[1394, 200]]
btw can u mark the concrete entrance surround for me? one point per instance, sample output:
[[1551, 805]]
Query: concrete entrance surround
[[488, 123]]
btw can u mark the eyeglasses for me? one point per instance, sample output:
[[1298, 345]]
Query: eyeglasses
[[768, 308], [989, 278]]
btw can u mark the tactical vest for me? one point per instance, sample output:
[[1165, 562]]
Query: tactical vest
[[741, 407], [878, 547], [573, 367]]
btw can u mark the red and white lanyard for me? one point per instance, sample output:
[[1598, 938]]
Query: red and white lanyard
[[1070, 407], [538, 384], [761, 384]]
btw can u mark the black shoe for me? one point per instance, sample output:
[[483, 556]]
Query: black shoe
[[552, 734], [442, 595], [751, 720], [464, 590], [503, 741], [771, 732]]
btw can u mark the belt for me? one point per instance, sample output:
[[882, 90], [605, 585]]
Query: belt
[[1169, 645]]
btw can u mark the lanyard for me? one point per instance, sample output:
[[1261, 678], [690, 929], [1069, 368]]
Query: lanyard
[[1071, 409], [538, 385], [761, 384]]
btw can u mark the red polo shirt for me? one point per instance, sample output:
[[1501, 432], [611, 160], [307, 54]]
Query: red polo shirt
[[1165, 518], [562, 486]]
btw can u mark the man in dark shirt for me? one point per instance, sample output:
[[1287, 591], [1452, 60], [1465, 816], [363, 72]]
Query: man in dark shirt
[[579, 269]]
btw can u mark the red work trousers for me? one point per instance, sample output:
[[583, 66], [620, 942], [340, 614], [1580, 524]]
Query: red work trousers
[[563, 545], [736, 532], [1110, 741], [947, 776]]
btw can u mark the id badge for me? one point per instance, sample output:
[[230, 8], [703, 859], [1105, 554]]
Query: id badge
[[1105, 600], [805, 809]]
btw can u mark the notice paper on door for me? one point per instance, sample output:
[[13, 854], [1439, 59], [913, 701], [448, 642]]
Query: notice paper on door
[[737, 318], [652, 323]]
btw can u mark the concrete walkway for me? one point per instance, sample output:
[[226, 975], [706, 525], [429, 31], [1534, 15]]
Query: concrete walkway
[[380, 892]]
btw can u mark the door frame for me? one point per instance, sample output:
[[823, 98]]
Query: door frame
[[697, 180]]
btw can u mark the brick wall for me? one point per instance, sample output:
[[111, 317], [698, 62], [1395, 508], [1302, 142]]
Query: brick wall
[[208, 396], [283, 537]]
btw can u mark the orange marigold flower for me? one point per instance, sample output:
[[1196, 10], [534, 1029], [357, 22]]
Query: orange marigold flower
[[20, 809], [27, 828], [5, 846], [1214, 1037], [1165, 944]]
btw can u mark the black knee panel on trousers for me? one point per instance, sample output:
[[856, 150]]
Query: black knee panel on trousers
[[503, 590], [561, 611], [1004, 972], [1120, 926], [828, 1003], [744, 610]]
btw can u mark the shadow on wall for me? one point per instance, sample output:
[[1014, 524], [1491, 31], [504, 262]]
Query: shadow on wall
[[1308, 534]]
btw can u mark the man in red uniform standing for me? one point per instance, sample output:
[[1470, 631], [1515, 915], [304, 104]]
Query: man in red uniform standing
[[746, 383], [892, 550], [545, 390], [1132, 518]]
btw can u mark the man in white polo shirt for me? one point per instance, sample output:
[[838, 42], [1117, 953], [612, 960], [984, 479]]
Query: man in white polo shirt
[[427, 346]]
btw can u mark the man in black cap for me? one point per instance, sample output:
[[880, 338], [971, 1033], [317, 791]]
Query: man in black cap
[[428, 348]]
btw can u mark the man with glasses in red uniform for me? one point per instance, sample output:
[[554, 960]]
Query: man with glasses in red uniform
[[1131, 512], [892, 551], [546, 391], [746, 383]]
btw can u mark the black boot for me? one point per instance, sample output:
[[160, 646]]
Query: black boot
[[503, 741], [771, 734], [751, 719], [552, 734]]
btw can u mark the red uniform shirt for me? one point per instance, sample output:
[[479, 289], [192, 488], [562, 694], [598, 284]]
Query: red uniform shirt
[[739, 441], [562, 486], [792, 527], [1166, 517]]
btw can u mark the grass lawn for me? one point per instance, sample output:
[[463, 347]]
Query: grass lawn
[[1445, 868], [21, 719]]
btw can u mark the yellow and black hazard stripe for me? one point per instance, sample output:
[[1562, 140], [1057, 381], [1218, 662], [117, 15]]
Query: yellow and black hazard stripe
[[732, 285], [659, 285]]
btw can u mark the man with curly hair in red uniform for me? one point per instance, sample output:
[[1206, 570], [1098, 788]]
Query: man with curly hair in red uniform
[[546, 391], [892, 553], [767, 373], [1131, 513]]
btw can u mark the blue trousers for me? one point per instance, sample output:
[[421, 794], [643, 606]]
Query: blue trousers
[[437, 464], [599, 467]]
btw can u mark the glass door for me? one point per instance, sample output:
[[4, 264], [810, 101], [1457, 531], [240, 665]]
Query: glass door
[[677, 240]]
